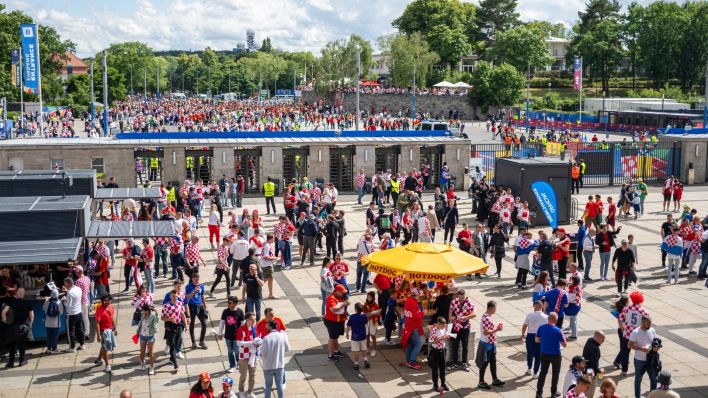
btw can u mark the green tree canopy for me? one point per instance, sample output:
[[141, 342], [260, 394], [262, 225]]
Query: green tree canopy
[[495, 16], [495, 85], [338, 62], [406, 53], [521, 47]]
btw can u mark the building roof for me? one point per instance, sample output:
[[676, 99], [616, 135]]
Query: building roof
[[126, 193], [45, 174], [129, 229], [70, 58], [39, 251], [42, 203]]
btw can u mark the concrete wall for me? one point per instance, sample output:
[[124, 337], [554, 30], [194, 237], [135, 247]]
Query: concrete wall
[[318, 162], [223, 162], [694, 153], [174, 171], [438, 106], [272, 162], [457, 157], [410, 158], [365, 158]]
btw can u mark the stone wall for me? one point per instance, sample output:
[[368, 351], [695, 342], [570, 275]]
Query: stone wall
[[438, 106]]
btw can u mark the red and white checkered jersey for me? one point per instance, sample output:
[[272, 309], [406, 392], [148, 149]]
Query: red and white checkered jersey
[[436, 333], [360, 180], [176, 246], [279, 230], [244, 338], [631, 317], [524, 243], [425, 231], [85, 284], [127, 217], [192, 253], [496, 208], [575, 292], [461, 308], [161, 240], [572, 394], [103, 251], [139, 301], [487, 323], [222, 255], [173, 312]]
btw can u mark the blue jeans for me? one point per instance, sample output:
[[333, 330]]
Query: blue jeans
[[160, 256], [52, 336], [604, 263], [362, 276], [533, 352], [232, 350], [704, 265], [254, 305], [286, 248], [177, 260], [640, 367], [149, 280], [360, 194], [233, 199], [279, 376], [587, 257], [415, 342], [324, 300]]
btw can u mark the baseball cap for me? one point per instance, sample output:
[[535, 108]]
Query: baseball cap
[[340, 288], [560, 230], [228, 380], [625, 241], [578, 359], [204, 376]]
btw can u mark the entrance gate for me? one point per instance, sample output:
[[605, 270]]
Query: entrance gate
[[247, 162], [294, 164], [198, 163], [434, 155], [341, 168], [387, 158], [148, 165]]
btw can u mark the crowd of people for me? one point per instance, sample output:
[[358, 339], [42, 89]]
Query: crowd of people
[[403, 210], [381, 90]]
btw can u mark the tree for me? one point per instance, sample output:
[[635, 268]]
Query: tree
[[406, 53], [495, 16], [694, 50], [548, 29], [495, 85], [446, 25], [338, 62], [596, 37], [631, 24], [660, 40], [267, 47], [520, 47]]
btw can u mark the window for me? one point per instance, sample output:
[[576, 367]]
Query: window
[[97, 164], [56, 164]]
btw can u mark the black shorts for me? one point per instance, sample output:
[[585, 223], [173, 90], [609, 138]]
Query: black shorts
[[334, 329], [667, 196]]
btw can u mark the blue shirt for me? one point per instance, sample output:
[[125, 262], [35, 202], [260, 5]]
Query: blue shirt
[[197, 298], [551, 297], [358, 324], [581, 235], [551, 337], [167, 299]]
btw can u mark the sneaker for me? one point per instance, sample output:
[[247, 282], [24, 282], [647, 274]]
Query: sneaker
[[588, 279], [498, 383], [451, 367], [356, 367], [108, 369], [338, 354], [97, 362], [617, 365], [230, 370], [81, 347], [373, 353], [142, 365], [194, 346], [288, 267], [151, 372], [180, 355], [414, 365], [624, 373], [22, 363], [529, 372], [366, 364], [70, 350], [332, 358], [167, 350], [465, 367], [535, 375], [445, 387], [436, 388], [390, 342], [203, 345], [484, 386], [572, 338]]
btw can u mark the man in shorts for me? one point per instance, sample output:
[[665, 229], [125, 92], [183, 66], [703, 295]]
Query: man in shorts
[[357, 325], [334, 319], [267, 261], [105, 319]]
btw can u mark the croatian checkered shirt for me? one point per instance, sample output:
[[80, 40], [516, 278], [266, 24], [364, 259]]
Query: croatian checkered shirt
[[192, 253], [496, 208], [127, 217], [221, 257], [360, 180], [173, 312], [631, 317], [436, 333], [572, 394], [316, 193], [425, 231], [103, 251], [139, 301], [578, 294], [161, 240], [671, 240], [487, 323], [85, 284], [244, 334], [461, 308], [175, 246], [524, 243], [279, 230]]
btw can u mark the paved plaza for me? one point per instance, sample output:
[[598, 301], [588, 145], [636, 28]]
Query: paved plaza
[[679, 313]]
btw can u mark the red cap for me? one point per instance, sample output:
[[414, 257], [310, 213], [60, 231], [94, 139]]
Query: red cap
[[340, 288], [204, 376], [560, 230], [637, 297]]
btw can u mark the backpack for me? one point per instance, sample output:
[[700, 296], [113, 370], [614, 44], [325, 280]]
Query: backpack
[[53, 308]]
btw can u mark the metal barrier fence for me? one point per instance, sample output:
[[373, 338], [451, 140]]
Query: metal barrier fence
[[485, 155], [614, 163]]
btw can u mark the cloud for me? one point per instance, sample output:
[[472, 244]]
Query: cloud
[[221, 24]]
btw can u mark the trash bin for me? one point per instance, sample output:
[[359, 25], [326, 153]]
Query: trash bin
[[368, 187]]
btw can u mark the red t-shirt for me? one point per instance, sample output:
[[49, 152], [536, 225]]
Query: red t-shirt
[[591, 209], [466, 236], [262, 331], [414, 315], [102, 267], [333, 300], [383, 282], [104, 317]]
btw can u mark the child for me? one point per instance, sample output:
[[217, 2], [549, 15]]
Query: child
[[437, 340], [636, 205], [53, 310], [372, 311], [357, 325], [580, 389], [390, 317], [227, 383], [575, 295]]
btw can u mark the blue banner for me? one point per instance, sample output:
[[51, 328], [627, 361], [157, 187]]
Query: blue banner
[[30, 52], [546, 197]]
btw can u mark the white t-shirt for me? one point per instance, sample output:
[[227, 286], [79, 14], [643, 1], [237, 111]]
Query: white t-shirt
[[266, 252], [214, 218], [534, 320], [73, 301], [642, 339]]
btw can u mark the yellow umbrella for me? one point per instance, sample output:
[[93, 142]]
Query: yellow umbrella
[[425, 262]]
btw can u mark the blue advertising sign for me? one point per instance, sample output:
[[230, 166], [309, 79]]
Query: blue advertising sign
[[14, 56], [283, 92], [30, 52], [546, 197]]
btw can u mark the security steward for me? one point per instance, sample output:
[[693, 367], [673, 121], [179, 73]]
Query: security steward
[[582, 171], [269, 193], [575, 179]]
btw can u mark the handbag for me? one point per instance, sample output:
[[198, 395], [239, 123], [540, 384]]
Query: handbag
[[136, 317]]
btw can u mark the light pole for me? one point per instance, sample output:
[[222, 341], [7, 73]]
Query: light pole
[[131, 79], [415, 100], [528, 95], [145, 81], [105, 96], [93, 99], [358, 66], [549, 89]]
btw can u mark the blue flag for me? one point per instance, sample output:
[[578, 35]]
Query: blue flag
[[546, 197], [30, 53]]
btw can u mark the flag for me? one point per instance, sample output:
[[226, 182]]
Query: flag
[[546, 197], [578, 76], [30, 52]]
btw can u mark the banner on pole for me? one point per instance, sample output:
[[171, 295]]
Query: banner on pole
[[30, 51], [14, 56], [578, 76], [546, 197]]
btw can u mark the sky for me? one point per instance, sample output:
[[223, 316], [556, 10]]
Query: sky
[[292, 25]]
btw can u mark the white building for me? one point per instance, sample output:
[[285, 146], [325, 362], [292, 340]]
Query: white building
[[557, 48]]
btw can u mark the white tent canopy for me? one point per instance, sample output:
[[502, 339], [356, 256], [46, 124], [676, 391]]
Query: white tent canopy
[[461, 85], [444, 83]]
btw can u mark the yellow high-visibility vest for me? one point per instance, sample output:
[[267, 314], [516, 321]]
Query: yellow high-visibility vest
[[269, 189]]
